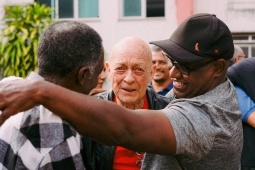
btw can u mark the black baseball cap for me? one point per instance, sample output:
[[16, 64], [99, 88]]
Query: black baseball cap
[[198, 37]]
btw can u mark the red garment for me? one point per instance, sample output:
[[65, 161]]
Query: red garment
[[125, 159]]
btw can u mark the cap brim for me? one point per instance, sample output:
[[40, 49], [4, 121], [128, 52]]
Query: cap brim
[[176, 52]]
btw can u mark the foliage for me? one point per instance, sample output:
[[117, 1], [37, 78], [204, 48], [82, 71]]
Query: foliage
[[20, 37]]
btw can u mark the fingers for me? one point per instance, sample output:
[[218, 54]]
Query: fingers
[[1, 120], [13, 98], [5, 112], [3, 116]]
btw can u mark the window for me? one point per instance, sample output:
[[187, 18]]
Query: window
[[46, 2], [155, 8], [143, 8], [65, 9], [132, 8], [76, 9], [246, 41], [88, 9]]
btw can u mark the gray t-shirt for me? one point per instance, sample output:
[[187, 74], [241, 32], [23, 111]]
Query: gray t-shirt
[[208, 132]]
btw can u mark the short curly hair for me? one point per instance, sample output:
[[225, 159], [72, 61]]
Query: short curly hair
[[66, 46]]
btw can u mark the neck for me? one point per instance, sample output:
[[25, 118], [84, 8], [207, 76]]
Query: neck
[[160, 85], [132, 106]]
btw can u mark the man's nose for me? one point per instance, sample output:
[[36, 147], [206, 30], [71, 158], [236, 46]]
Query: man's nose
[[157, 65], [129, 78]]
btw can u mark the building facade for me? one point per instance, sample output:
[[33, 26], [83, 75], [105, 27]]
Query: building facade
[[153, 19]]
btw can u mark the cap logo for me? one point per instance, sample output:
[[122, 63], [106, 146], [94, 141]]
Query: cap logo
[[216, 51], [196, 47]]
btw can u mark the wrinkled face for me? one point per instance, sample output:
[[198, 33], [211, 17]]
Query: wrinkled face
[[130, 72], [162, 67], [200, 80]]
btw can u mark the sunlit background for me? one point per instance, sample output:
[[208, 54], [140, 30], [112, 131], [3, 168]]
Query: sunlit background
[[151, 19]]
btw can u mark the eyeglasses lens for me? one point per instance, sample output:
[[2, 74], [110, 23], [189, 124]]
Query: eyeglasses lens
[[181, 68]]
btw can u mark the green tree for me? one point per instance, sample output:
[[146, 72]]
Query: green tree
[[20, 37]]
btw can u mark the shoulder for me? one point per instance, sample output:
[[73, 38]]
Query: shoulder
[[156, 101], [10, 78], [242, 96], [101, 95], [240, 91], [241, 74], [108, 95], [151, 93]]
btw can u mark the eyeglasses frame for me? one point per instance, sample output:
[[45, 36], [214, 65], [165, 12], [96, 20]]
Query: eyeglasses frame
[[189, 68]]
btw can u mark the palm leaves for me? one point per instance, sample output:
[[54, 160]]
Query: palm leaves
[[20, 37]]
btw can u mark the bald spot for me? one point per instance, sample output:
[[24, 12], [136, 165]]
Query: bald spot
[[132, 46], [238, 51]]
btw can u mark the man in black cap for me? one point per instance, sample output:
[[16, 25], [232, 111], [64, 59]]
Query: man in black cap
[[199, 129]]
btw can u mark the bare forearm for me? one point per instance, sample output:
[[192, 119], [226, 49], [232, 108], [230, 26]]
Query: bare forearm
[[109, 123], [101, 120], [85, 114], [82, 111]]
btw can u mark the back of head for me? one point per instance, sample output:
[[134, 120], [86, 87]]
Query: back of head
[[155, 48], [66, 46], [237, 52], [198, 37]]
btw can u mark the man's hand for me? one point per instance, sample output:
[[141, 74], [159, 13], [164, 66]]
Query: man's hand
[[16, 95]]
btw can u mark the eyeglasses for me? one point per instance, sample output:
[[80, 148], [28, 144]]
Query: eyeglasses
[[184, 69]]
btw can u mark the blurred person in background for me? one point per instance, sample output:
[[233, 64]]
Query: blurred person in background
[[237, 56], [161, 81], [99, 88]]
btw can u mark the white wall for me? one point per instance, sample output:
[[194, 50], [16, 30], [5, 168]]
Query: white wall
[[112, 28], [239, 15]]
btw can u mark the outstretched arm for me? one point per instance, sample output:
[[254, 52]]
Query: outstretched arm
[[103, 121]]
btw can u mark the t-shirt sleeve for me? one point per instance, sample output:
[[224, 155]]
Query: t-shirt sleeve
[[245, 103], [192, 128]]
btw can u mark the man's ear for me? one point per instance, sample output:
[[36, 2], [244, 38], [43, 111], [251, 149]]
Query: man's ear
[[83, 75], [107, 67], [220, 66], [237, 59]]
